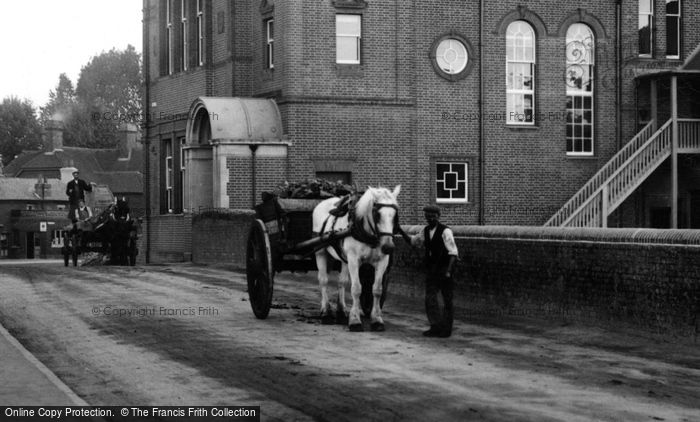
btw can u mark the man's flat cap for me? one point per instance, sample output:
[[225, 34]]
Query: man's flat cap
[[432, 209]]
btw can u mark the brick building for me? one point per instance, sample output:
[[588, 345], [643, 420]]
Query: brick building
[[497, 111], [33, 201]]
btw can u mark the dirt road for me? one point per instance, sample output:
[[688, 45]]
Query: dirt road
[[185, 335]]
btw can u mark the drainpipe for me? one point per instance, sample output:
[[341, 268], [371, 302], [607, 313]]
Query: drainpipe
[[618, 73], [482, 148], [253, 149], [618, 83], [145, 125]]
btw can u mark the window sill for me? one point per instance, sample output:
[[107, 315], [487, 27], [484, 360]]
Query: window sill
[[522, 127], [581, 157], [452, 203]]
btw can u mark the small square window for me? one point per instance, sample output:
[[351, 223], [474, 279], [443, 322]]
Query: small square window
[[451, 182]]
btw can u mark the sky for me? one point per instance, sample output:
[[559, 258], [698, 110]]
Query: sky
[[40, 39]]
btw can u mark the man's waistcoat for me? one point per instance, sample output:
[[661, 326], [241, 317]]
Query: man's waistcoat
[[436, 255]]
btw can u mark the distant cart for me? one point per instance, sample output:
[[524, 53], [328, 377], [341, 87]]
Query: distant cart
[[281, 239], [107, 232]]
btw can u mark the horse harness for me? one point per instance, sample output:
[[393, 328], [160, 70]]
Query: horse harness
[[357, 228]]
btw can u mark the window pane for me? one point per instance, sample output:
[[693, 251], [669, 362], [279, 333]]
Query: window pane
[[346, 49], [672, 36], [347, 25], [450, 181], [460, 169], [520, 42], [451, 56], [644, 34], [672, 7], [441, 170], [442, 193], [645, 6], [461, 192]]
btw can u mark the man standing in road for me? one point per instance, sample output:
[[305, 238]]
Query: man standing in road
[[75, 190], [440, 256]]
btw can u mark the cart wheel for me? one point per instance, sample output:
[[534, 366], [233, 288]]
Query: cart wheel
[[367, 280], [259, 270]]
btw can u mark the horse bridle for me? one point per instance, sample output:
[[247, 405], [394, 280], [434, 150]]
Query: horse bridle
[[375, 217]]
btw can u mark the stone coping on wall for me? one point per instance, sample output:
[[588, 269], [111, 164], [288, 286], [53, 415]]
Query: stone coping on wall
[[609, 235]]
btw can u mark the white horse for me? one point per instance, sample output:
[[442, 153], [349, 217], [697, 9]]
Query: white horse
[[372, 221]]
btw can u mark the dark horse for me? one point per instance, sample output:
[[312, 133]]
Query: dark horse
[[122, 229]]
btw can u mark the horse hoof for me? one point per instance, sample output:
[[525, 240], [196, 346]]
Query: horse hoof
[[327, 319], [356, 328], [377, 326]]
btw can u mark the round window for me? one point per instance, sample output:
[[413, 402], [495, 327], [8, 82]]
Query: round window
[[451, 56]]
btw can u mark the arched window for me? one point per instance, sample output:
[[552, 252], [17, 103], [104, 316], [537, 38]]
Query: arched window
[[580, 49], [520, 73]]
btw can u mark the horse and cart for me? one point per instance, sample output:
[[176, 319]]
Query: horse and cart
[[353, 234], [111, 230]]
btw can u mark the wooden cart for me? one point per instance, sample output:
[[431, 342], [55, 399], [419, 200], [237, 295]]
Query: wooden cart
[[281, 239]]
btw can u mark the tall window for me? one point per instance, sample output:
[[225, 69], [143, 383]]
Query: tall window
[[169, 35], [673, 28], [520, 73], [348, 32], [646, 25], [270, 43], [181, 187], [200, 32], [169, 175], [183, 33], [580, 53], [451, 182]]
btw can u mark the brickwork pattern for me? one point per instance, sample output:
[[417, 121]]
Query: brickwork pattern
[[239, 187], [570, 273], [393, 116], [269, 172], [171, 237], [222, 239]]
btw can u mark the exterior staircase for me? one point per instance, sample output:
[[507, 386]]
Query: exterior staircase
[[619, 177]]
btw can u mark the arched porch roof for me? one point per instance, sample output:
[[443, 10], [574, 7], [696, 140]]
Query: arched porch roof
[[233, 119]]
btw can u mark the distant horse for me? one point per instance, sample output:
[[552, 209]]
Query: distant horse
[[372, 220]]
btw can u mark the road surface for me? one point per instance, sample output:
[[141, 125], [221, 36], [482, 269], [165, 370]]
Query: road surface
[[185, 335]]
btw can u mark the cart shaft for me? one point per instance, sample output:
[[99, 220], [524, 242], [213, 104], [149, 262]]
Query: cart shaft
[[322, 240]]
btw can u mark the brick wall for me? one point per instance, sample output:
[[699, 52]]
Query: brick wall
[[171, 238], [643, 277], [388, 114], [221, 238]]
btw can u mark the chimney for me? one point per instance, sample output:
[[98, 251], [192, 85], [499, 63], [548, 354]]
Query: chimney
[[53, 136], [127, 139]]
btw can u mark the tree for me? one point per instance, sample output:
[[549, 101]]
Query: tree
[[109, 93], [19, 128], [59, 100], [64, 106]]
